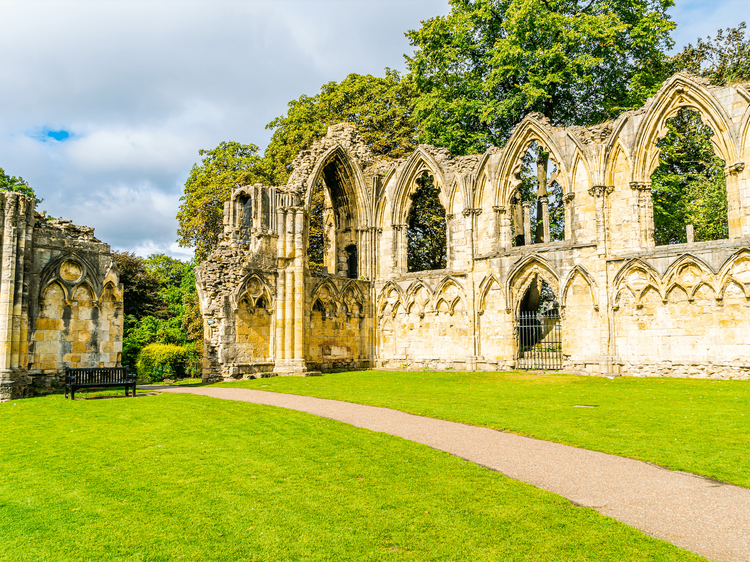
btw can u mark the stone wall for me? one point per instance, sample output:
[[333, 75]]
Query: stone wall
[[627, 306], [60, 299]]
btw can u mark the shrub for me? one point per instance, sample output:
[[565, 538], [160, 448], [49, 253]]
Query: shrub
[[158, 361]]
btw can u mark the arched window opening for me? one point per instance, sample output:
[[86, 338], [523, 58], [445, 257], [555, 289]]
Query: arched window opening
[[427, 227], [538, 329], [318, 307], [260, 303], [351, 261], [538, 210], [319, 243], [247, 210], [688, 188]]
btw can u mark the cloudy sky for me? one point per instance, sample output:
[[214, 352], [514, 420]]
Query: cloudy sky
[[104, 104]]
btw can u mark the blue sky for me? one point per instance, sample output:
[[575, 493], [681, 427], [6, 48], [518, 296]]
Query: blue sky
[[104, 105]]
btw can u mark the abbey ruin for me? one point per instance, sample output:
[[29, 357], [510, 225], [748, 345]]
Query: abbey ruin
[[61, 300], [626, 305]]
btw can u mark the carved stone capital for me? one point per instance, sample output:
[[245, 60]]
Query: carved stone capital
[[499, 209], [640, 186], [399, 227], [526, 204], [568, 198], [449, 216], [735, 168], [601, 190]]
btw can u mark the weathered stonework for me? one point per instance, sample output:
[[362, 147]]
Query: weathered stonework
[[60, 299], [627, 305]]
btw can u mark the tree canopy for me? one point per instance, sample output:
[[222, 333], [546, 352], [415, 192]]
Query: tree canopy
[[479, 70], [17, 184], [723, 60]]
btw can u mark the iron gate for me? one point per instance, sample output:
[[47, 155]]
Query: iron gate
[[539, 340]]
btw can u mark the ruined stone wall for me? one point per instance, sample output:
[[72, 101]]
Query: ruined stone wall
[[60, 299], [626, 305]]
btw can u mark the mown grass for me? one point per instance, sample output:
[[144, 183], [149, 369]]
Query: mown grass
[[698, 426], [182, 477]]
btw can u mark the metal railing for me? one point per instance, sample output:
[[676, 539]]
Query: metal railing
[[539, 340]]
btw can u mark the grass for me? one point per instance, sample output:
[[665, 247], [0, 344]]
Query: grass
[[698, 426], [182, 477]]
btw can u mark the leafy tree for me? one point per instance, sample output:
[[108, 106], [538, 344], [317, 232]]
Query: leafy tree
[[479, 70], [18, 185], [208, 187], [724, 60], [689, 186], [427, 228], [317, 242], [141, 286], [379, 107]]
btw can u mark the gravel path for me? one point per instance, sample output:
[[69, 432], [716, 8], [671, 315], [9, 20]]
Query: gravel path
[[704, 516]]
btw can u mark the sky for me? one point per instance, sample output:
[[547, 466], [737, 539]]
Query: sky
[[104, 104]]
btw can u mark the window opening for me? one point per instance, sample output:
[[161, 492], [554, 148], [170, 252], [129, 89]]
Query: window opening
[[689, 186], [247, 211], [351, 261], [543, 197], [427, 227], [318, 244]]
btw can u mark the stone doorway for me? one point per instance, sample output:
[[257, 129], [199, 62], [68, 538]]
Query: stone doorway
[[538, 330]]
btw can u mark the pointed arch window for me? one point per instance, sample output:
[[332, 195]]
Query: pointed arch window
[[427, 248]]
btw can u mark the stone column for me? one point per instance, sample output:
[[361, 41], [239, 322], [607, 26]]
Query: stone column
[[289, 286], [568, 202], [526, 223], [544, 200], [599, 192], [644, 213], [502, 228], [299, 288]]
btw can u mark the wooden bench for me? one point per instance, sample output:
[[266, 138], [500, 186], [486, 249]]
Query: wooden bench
[[98, 377]]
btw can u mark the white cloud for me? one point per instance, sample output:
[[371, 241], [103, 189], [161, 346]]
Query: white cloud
[[144, 84]]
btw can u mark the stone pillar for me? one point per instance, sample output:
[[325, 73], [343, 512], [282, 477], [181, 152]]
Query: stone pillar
[[645, 214], [599, 192], [689, 233], [544, 200], [299, 288], [526, 223], [568, 202], [502, 228], [17, 212]]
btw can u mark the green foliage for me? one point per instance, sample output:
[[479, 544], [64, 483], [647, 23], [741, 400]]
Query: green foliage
[[724, 60], [161, 306], [427, 228], [18, 185], [158, 361], [208, 187], [689, 186], [479, 70]]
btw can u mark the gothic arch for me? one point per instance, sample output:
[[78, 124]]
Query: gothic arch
[[531, 129], [521, 275], [411, 297], [678, 274], [390, 290], [327, 292], [420, 161], [680, 91], [637, 276], [253, 288], [590, 281], [735, 269], [442, 294], [349, 177], [70, 270], [484, 288]]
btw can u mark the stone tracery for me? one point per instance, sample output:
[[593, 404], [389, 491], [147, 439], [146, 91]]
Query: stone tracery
[[606, 272]]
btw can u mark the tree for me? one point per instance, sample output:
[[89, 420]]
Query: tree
[[724, 60], [18, 185], [689, 186], [208, 187], [479, 70], [141, 286], [381, 109]]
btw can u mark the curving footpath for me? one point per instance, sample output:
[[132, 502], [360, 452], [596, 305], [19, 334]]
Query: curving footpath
[[704, 516]]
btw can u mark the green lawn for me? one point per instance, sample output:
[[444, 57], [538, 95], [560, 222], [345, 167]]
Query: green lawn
[[699, 426], [182, 477]]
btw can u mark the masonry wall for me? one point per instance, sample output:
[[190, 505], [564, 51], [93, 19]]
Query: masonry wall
[[626, 305], [60, 299]]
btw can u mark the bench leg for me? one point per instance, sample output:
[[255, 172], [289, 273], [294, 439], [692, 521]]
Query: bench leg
[[126, 390], [134, 390], [72, 392]]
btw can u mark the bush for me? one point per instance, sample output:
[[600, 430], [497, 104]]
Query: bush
[[158, 361]]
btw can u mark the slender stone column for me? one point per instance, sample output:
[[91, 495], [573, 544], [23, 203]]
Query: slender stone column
[[502, 228], [598, 192], [568, 202], [8, 282], [545, 218], [299, 287], [526, 223], [289, 286]]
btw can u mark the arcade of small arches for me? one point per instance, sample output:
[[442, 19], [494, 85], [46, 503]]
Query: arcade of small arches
[[320, 273]]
